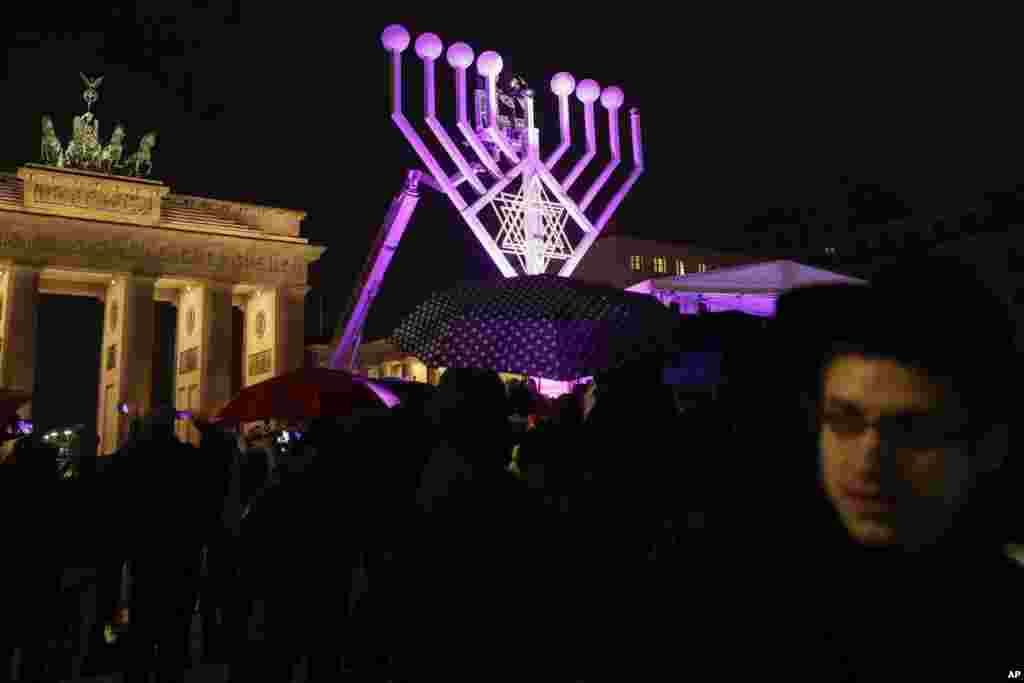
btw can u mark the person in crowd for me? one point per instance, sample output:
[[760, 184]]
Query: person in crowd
[[898, 568], [255, 478], [548, 460], [7, 445], [238, 588], [369, 495], [170, 507], [521, 405], [289, 536], [380, 492], [469, 415], [589, 399], [569, 408], [34, 568], [222, 603], [111, 500], [626, 511], [466, 520]]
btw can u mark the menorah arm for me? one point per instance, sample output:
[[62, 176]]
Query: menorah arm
[[498, 187], [396, 39], [478, 148], [428, 160], [499, 139], [615, 149], [566, 130], [574, 210], [414, 138], [456, 180], [588, 156], [466, 172], [430, 107], [467, 130], [613, 204], [638, 168], [581, 249]]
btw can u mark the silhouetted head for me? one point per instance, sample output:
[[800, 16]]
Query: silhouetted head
[[521, 400], [469, 400], [35, 458], [159, 425], [569, 409]]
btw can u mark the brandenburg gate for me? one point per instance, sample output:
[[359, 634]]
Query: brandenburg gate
[[86, 222]]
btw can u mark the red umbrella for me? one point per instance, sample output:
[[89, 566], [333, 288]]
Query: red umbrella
[[305, 393]]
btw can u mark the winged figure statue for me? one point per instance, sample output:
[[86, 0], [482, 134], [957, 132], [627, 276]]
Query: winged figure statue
[[90, 95]]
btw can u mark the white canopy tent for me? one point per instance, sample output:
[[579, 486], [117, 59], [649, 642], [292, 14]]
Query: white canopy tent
[[751, 288]]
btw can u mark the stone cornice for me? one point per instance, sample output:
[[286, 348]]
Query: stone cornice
[[69, 243], [246, 233], [121, 199], [295, 214], [266, 218]]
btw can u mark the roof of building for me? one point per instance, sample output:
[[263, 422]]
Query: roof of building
[[770, 277], [674, 246]]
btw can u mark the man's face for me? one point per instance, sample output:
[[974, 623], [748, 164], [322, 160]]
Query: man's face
[[891, 461]]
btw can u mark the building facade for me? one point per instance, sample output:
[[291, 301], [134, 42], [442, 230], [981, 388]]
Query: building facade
[[130, 242], [622, 261]]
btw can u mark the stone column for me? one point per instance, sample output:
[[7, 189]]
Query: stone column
[[187, 368], [290, 329], [275, 333], [19, 302], [215, 362], [139, 335], [202, 378], [126, 358], [258, 360]]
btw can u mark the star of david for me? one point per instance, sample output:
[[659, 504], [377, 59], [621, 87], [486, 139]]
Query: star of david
[[532, 226]]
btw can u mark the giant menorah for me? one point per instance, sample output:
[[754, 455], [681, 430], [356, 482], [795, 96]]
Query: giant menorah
[[532, 225]]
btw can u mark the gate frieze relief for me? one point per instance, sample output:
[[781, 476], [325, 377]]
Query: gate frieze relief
[[155, 251]]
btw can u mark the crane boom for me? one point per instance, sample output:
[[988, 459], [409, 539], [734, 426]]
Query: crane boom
[[349, 331]]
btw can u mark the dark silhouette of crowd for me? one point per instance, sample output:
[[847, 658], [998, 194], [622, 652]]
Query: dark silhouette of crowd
[[838, 510]]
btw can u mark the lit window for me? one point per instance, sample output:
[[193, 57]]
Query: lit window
[[660, 265], [680, 267], [636, 262], [702, 268]]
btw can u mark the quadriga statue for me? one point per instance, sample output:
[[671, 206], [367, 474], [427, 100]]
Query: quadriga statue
[[51, 151]]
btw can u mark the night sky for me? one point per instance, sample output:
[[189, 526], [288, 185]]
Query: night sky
[[748, 120]]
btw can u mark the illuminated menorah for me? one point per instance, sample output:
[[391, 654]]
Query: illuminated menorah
[[533, 226]]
